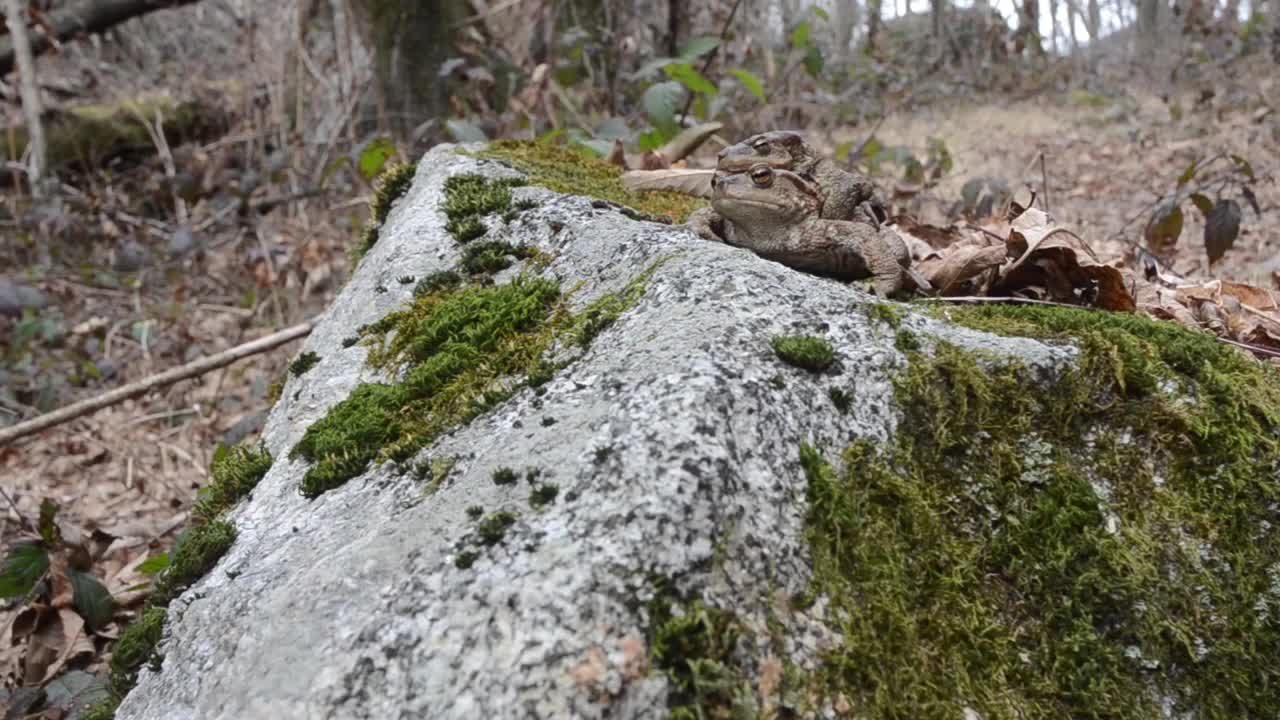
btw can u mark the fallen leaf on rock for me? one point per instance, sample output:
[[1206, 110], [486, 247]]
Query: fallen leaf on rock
[[688, 182]]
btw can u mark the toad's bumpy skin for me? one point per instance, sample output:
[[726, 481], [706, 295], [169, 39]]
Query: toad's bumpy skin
[[775, 213], [845, 195]]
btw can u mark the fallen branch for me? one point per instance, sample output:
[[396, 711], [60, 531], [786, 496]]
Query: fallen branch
[[88, 16], [168, 377]]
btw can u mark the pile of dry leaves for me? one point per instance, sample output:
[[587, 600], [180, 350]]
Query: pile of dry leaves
[[1029, 256]]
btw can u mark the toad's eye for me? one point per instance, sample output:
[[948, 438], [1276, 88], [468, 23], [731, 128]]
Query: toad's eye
[[762, 147], [762, 176]]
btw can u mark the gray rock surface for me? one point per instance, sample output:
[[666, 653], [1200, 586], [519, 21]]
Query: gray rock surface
[[674, 447]]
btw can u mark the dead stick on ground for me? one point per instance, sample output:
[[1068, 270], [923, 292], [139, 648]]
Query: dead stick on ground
[[168, 377], [1044, 182]]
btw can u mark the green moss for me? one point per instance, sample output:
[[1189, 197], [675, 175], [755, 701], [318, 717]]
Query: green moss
[[491, 256], [458, 352], [890, 315], [454, 350], [465, 559], [504, 476], [543, 495], [103, 710], [433, 472], [135, 648], [233, 475], [840, 399], [391, 185], [1077, 547], [303, 363], [437, 282], [467, 198], [692, 645], [475, 512], [804, 351], [494, 527], [198, 549], [906, 341], [567, 171]]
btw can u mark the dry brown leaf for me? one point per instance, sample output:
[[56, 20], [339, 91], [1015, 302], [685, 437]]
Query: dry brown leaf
[[958, 265], [933, 235], [52, 644], [688, 182], [1162, 303], [1060, 261]]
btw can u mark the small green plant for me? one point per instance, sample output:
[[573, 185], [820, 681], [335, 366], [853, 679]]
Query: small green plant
[[543, 495], [890, 315], [693, 646], [504, 476], [469, 198], [234, 473], [392, 183], [303, 363], [135, 648], [491, 256], [437, 282], [494, 527], [804, 351], [475, 512], [465, 559], [197, 550], [840, 399]]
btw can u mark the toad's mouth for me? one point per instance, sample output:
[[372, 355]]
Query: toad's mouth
[[767, 204]]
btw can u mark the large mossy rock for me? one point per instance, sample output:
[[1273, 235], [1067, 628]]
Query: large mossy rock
[[546, 457]]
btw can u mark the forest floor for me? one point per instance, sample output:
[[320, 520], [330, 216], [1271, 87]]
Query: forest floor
[[131, 471]]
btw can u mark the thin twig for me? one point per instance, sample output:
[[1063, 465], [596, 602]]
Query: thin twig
[[724, 32], [168, 377], [1044, 182]]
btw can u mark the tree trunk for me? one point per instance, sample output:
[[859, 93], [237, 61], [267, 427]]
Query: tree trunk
[[846, 19], [409, 41], [936, 10], [1148, 18], [1053, 26], [30, 89], [873, 24], [88, 16], [1029, 27], [1095, 21]]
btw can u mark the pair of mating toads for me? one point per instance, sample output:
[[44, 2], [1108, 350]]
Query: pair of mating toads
[[774, 195]]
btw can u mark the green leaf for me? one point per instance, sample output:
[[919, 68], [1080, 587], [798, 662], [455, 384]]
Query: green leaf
[[843, 150], [91, 599], [813, 61], [690, 78], [48, 528], [1244, 166], [660, 102], [75, 688], [1221, 228], [465, 132], [1188, 174], [1165, 225], [652, 140], [375, 157], [913, 172], [750, 82], [614, 128], [699, 47], [334, 166], [154, 564], [800, 36], [651, 67], [1202, 203], [24, 565], [821, 13]]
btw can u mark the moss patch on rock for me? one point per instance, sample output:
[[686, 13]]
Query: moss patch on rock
[[393, 183], [804, 351], [568, 171], [234, 473], [468, 198], [1101, 544], [693, 644]]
